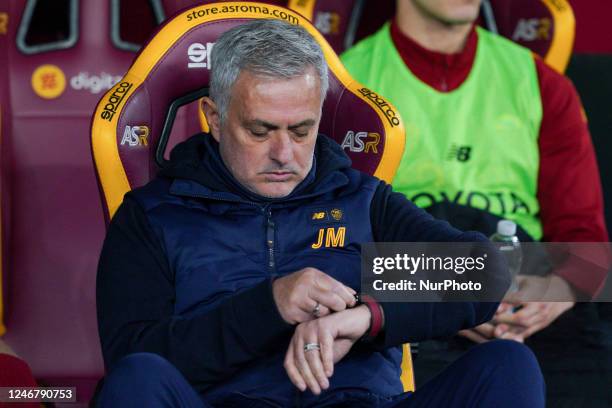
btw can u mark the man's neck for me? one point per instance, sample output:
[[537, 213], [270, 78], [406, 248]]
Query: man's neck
[[430, 32]]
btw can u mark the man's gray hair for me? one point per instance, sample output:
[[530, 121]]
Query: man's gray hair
[[270, 48]]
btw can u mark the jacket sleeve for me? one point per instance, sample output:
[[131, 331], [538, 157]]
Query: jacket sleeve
[[396, 219], [135, 306]]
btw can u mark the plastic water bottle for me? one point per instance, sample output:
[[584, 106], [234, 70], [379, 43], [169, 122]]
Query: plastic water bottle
[[509, 245]]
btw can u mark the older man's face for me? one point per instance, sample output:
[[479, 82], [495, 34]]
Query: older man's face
[[268, 137]]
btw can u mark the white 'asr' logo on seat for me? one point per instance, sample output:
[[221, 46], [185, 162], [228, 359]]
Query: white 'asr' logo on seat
[[531, 29], [135, 136], [199, 55], [358, 142]]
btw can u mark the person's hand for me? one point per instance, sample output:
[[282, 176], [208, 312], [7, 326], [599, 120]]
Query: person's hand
[[309, 293], [491, 330], [334, 335], [550, 288], [531, 317], [516, 319]]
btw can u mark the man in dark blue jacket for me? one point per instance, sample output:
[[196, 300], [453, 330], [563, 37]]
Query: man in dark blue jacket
[[215, 289]]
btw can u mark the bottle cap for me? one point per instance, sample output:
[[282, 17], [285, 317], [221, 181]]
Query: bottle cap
[[506, 228]]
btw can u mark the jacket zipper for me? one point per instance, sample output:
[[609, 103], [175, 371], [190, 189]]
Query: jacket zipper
[[270, 239]]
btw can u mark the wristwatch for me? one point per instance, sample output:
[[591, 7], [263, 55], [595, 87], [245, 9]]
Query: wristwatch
[[377, 317]]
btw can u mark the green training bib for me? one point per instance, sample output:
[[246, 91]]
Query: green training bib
[[475, 146]]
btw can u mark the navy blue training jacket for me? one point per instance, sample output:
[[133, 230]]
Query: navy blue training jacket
[[187, 264]]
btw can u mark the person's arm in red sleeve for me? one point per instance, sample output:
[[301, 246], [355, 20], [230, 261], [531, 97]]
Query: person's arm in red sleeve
[[569, 187], [571, 210]]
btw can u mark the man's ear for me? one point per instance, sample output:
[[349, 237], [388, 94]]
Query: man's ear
[[212, 117]]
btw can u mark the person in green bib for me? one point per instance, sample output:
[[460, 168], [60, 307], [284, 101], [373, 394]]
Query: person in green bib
[[492, 133]]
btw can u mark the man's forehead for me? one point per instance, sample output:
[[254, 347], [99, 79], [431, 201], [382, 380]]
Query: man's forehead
[[261, 98], [252, 79]]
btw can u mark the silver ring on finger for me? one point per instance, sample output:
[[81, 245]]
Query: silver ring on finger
[[316, 312], [312, 346]]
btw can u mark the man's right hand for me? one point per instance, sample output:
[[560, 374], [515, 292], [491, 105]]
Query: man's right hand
[[297, 295]]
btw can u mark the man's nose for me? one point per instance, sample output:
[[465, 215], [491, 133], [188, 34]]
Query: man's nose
[[281, 150]]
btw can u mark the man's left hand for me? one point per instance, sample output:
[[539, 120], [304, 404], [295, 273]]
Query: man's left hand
[[334, 334]]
